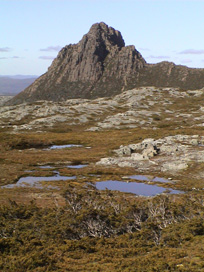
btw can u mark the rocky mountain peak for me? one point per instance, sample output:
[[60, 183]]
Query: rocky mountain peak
[[85, 61], [105, 34], [94, 67], [101, 65]]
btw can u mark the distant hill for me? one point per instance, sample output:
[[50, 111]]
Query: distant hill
[[19, 76], [12, 85], [100, 65]]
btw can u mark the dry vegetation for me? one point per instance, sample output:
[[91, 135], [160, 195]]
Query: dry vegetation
[[78, 228]]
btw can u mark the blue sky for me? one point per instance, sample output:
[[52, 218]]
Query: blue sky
[[33, 31]]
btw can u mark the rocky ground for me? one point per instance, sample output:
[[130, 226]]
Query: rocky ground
[[143, 107]]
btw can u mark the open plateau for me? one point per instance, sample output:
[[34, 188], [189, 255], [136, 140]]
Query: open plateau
[[102, 164]]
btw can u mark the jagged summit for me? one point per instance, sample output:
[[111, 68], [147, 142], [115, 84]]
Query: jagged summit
[[101, 65], [85, 61], [101, 31]]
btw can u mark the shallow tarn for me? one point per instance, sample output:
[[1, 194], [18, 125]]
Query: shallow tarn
[[35, 181], [136, 188], [63, 146], [71, 166]]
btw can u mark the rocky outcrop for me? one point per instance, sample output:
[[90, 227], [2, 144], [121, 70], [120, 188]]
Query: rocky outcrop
[[169, 154], [101, 65]]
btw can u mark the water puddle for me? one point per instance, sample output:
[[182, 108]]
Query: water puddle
[[77, 166], [35, 181], [145, 178], [136, 188], [63, 146], [46, 167], [72, 166]]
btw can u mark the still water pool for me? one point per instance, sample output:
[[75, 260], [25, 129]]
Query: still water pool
[[63, 146], [35, 181], [136, 188]]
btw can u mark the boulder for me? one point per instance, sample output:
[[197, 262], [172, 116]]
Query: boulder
[[174, 166], [150, 151]]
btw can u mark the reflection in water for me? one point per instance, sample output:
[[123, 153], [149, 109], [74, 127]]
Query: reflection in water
[[157, 179], [45, 167], [145, 178], [135, 188], [139, 177], [63, 146], [78, 166], [73, 166]]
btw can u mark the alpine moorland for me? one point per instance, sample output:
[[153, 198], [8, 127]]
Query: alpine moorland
[[102, 164]]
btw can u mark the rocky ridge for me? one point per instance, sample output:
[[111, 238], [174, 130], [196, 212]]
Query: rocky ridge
[[100, 65], [138, 108]]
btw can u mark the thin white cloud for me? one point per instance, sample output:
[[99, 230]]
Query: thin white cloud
[[51, 48], [158, 57], [5, 49], [14, 57], [192, 52], [46, 57]]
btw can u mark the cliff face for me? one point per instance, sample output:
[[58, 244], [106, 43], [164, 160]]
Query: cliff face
[[101, 65], [85, 60]]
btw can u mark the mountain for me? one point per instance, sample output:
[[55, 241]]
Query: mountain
[[101, 65], [11, 85]]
